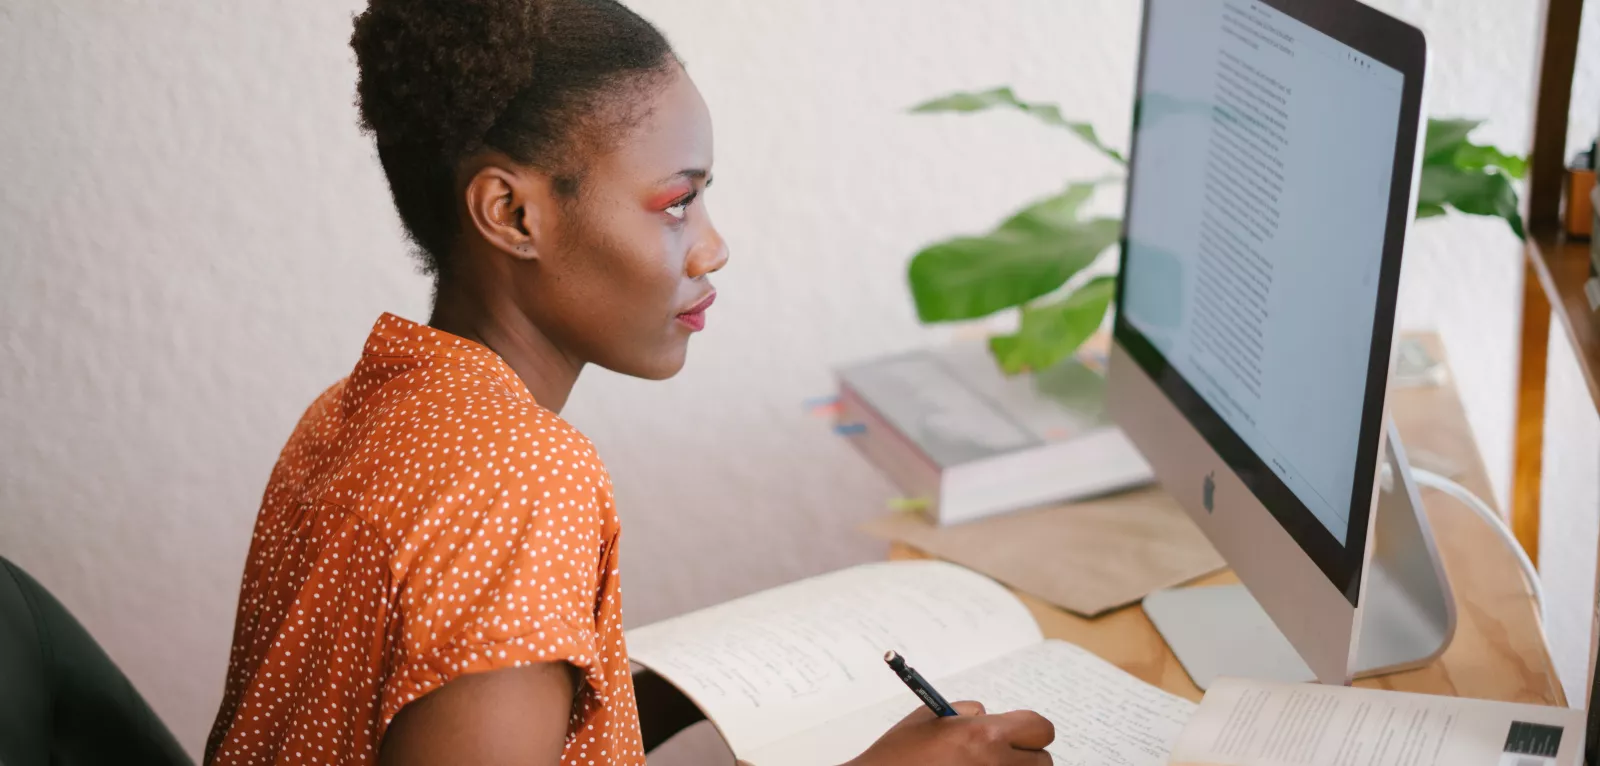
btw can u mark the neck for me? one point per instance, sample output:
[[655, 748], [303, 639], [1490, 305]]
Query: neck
[[493, 319]]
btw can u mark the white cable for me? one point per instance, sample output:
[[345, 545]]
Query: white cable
[[1430, 479]]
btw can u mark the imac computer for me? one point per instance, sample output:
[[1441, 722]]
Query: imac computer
[[1272, 178]]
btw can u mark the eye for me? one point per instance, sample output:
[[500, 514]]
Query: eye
[[680, 209]]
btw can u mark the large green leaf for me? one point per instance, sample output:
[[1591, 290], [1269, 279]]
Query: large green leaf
[[1051, 213], [1468, 177], [1031, 255], [1445, 136], [1474, 192], [1429, 210], [1050, 114], [1475, 157], [1051, 332], [1447, 144]]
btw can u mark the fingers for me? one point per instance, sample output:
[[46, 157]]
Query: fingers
[[968, 707], [1026, 730]]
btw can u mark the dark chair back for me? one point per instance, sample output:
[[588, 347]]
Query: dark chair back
[[63, 702]]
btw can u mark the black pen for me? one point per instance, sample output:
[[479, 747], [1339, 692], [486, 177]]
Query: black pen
[[914, 680]]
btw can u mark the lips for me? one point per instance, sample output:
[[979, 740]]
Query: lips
[[695, 317]]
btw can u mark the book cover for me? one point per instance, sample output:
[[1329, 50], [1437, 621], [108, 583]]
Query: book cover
[[957, 407]]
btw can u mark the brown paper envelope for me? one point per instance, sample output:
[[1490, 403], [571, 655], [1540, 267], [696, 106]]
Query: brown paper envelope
[[1087, 557]]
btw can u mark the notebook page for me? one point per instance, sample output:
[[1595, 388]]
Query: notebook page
[[768, 665], [1256, 723], [1103, 716]]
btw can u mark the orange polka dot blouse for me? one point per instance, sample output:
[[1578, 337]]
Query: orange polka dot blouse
[[427, 519]]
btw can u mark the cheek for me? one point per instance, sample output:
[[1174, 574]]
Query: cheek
[[634, 271], [647, 266], [628, 317], [612, 294]]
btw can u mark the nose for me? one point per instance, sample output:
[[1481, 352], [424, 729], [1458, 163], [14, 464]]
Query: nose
[[708, 255]]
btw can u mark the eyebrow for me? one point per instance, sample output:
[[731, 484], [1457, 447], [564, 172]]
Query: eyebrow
[[693, 174]]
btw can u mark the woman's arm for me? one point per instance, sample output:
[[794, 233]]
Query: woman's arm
[[663, 710], [507, 716]]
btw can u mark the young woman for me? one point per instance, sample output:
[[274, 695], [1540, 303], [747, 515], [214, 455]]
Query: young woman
[[433, 576]]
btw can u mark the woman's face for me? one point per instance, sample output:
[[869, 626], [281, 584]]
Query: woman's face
[[622, 280]]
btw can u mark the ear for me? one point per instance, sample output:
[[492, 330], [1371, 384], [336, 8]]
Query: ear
[[509, 206]]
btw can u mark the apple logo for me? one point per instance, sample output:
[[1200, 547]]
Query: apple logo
[[1208, 491]]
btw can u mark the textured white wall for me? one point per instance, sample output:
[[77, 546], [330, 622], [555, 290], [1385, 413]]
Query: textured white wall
[[1570, 516], [194, 239]]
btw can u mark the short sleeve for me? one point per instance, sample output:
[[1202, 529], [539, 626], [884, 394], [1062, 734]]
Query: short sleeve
[[504, 572]]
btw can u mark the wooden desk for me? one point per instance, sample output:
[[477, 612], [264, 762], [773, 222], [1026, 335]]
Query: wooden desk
[[1498, 652]]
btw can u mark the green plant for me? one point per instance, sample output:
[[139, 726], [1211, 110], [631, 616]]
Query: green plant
[[1033, 260]]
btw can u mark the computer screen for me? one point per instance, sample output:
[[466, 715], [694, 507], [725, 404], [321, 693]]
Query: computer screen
[[1255, 230]]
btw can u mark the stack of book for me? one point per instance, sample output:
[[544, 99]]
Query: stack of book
[[1591, 289], [966, 441]]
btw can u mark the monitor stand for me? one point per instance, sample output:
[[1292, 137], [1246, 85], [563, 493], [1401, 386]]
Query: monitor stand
[[1408, 619]]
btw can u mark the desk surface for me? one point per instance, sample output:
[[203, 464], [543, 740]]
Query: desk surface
[[1498, 652]]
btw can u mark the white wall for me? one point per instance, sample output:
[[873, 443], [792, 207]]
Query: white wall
[[194, 239], [1570, 517]]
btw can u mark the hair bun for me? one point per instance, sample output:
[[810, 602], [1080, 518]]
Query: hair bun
[[457, 61], [440, 80]]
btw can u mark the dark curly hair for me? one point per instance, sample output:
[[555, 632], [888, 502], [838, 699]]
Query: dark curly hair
[[546, 82]]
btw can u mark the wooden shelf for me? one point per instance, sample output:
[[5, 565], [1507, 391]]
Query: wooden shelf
[[1563, 268], [1554, 271]]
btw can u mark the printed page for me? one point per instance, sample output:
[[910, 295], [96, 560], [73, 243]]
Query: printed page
[[768, 665], [1251, 723], [1103, 716]]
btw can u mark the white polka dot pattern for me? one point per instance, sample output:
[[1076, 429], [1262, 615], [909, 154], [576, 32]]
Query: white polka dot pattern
[[426, 520]]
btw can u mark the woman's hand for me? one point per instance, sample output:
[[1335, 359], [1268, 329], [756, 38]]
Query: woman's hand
[[969, 739]]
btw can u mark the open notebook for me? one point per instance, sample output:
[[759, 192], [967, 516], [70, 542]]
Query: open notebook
[[795, 675], [1260, 723]]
